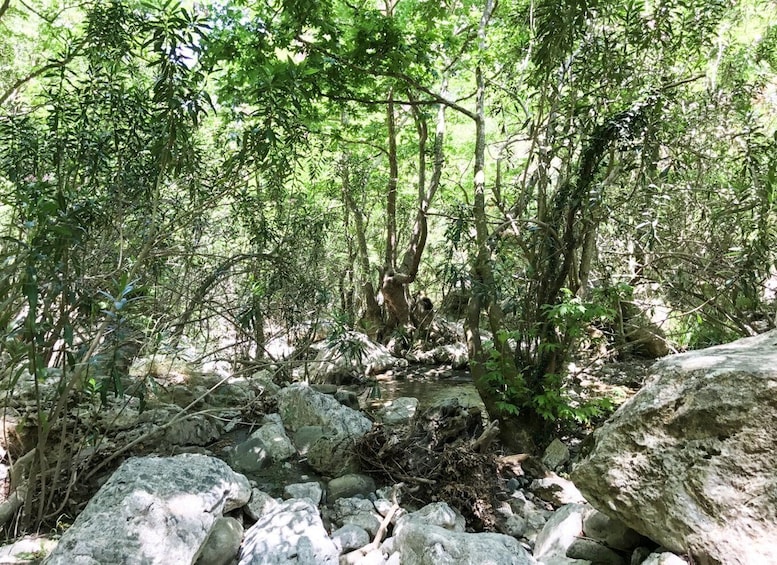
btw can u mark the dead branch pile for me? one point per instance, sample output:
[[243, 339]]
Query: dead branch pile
[[442, 455]]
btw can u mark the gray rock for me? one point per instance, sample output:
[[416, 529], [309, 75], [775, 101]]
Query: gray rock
[[306, 436], [399, 411], [534, 516], [507, 522], [358, 512], [250, 456], [440, 514], [262, 380], [276, 442], [347, 398], [613, 533], [595, 552], [299, 405], [560, 531], [689, 460], [349, 537], [311, 491], [334, 365], [222, 544], [29, 549], [556, 455], [292, 532], [259, 504], [194, 429], [667, 558], [333, 455], [421, 543], [556, 490], [350, 485], [155, 509]]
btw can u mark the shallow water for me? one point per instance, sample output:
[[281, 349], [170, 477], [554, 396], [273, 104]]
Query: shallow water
[[430, 387]]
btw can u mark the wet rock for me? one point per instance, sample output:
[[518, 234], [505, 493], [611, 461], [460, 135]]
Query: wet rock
[[291, 532], [688, 461], [350, 485], [158, 510], [223, 543], [399, 411]]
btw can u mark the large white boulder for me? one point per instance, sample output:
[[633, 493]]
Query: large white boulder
[[154, 510], [689, 460]]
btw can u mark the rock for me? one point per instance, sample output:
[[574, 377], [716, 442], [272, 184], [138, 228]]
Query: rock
[[259, 504], [356, 511], [440, 514], [311, 491], [352, 355], [399, 411], [507, 522], [250, 456], [348, 398], [613, 533], [29, 549], [689, 460], [222, 544], [556, 490], [350, 485], [667, 558], [300, 405], [269, 444], [349, 537], [594, 552], [155, 509], [419, 542], [292, 532], [193, 429], [561, 530], [262, 381], [334, 455], [306, 436], [533, 516], [556, 455]]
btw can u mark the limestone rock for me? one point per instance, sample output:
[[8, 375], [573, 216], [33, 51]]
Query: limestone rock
[[561, 530], [312, 491], [269, 444], [333, 455], [223, 543], [350, 485], [399, 411], [292, 532], [594, 552], [420, 542], [301, 406], [556, 490], [664, 558], [612, 532], [154, 509], [350, 537], [352, 355], [689, 460], [259, 504], [556, 455]]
